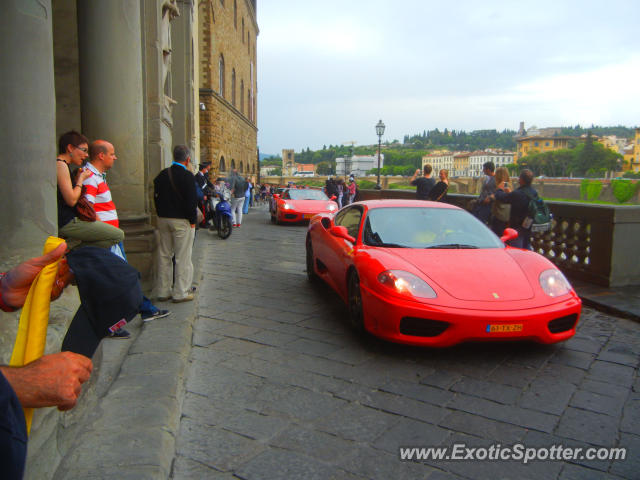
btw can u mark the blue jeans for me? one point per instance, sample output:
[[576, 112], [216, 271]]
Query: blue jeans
[[147, 307], [523, 240]]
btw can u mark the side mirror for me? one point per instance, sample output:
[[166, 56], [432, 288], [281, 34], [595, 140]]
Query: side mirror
[[341, 232], [333, 197], [276, 195], [508, 234]]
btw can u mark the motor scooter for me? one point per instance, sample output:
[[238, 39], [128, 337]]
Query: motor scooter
[[222, 218]]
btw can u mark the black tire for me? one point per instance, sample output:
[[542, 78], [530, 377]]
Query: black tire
[[273, 219], [356, 316], [225, 228], [311, 274]]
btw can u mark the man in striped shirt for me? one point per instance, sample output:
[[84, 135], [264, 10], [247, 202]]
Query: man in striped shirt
[[102, 155]]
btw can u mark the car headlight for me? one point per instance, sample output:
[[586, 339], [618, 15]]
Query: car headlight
[[286, 206], [406, 283], [332, 207], [554, 283]]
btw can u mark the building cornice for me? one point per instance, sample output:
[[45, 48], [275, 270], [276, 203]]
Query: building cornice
[[208, 92]]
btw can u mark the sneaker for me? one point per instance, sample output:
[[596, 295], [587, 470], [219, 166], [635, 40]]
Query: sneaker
[[122, 334], [163, 299], [187, 298], [155, 315]]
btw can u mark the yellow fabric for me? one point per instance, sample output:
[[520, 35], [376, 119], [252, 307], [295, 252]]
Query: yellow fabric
[[34, 319]]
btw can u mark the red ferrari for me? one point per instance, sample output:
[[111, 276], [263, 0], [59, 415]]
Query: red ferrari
[[427, 273], [300, 204]]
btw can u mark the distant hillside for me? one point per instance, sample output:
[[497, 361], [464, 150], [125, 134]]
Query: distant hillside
[[264, 156]]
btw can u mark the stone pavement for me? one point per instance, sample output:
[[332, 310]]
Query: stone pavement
[[262, 379]]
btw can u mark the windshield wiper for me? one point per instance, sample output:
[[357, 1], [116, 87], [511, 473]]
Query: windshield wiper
[[452, 245], [389, 245]]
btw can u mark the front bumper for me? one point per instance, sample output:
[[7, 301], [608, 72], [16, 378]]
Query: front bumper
[[446, 326]]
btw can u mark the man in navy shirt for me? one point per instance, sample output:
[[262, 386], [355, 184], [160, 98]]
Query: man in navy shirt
[[423, 184]]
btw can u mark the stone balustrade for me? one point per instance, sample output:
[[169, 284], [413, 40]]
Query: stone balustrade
[[594, 243]]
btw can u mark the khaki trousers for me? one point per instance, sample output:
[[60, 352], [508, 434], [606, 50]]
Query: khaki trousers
[[96, 234], [175, 238]]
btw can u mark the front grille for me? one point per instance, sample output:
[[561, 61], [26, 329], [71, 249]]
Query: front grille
[[290, 216], [562, 324], [422, 327]]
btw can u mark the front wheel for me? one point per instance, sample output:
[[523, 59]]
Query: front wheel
[[356, 316], [224, 230], [311, 274]]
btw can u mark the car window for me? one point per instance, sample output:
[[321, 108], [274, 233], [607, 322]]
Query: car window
[[307, 194], [426, 227], [350, 218]]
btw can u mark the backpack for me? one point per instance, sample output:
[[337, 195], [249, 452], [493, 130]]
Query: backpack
[[240, 186], [539, 216]]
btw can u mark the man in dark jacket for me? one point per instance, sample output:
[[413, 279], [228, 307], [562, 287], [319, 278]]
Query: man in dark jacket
[[174, 194], [519, 201], [423, 184]]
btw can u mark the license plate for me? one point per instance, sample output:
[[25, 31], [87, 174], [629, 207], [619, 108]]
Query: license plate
[[509, 327], [307, 216]]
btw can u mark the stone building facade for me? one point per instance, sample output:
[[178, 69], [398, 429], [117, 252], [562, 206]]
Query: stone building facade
[[123, 71], [228, 32]]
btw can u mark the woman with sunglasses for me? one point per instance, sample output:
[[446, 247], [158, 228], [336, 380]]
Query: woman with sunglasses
[[73, 149]]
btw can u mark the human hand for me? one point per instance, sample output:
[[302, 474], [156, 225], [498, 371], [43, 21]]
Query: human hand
[[16, 283], [51, 381], [83, 174]]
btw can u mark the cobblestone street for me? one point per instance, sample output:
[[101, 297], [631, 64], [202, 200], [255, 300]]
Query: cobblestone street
[[279, 387]]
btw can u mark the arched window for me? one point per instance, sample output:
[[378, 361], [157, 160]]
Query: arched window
[[222, 167], [221, 73], [248, 43], [233, 87], [241, 169], [233, 164], [249, 104], [242, 29], [235, 14], [242, 96]]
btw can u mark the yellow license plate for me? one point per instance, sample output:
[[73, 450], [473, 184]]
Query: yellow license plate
[[307, 216], [509, 327]]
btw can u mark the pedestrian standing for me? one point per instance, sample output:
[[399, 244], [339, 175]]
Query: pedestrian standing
[[174, 194], [423, 184]]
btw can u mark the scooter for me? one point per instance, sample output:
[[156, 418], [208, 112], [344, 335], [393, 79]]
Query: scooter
[[222, 217]]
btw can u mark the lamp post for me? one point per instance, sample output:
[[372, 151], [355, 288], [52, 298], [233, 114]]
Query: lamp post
[[379, 131]]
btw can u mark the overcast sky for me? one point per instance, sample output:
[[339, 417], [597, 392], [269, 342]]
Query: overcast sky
[[329, 70]]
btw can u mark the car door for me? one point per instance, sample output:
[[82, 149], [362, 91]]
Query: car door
[[340, 251]]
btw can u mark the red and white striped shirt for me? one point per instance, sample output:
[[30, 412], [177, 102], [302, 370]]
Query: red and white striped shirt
[[99, 194]]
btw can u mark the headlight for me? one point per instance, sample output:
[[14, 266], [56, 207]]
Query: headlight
[[554, 283], [406, 283], [286, 206], [332, 207]]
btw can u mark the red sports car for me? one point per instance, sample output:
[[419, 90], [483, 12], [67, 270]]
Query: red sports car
[[300, 204], [427, 273]]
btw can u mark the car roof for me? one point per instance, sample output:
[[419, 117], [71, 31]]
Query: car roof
[[393, 203]]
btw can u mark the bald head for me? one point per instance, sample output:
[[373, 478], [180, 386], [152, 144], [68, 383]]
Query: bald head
[[102, 155]]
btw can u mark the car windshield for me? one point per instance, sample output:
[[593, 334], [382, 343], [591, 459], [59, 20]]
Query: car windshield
[[427, 227], [305, 194]]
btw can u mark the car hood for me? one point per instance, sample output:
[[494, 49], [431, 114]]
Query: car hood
[[310, 205], [471, 275]]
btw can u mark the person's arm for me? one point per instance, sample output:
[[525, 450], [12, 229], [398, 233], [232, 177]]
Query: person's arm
[[51, 381], [15, 284], [191, 198], [413, 179], [70, 193]]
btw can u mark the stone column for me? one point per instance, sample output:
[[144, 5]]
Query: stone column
[[27, 134], [111, 92]]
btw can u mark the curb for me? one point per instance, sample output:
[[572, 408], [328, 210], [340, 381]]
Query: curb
[[131, 431]]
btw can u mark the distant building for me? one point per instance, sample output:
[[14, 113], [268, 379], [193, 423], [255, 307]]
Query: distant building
[[440, 160], [634, 166], [479, 158], [288, 162], [360, 164], [540, 143], [305, 170], [461, 164]]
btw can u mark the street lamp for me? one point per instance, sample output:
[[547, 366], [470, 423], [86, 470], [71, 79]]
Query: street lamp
[[379, 132]]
